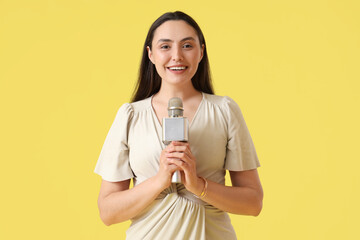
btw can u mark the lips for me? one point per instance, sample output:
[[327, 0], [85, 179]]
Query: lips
[[177, 68]]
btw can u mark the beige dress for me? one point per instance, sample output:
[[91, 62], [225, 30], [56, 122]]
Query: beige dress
[[220, 141]]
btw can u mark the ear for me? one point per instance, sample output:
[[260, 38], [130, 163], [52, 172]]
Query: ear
[[202, 52], [149, 54]]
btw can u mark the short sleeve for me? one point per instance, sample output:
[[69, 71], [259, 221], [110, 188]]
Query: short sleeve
[[240, 150], [113, 163]]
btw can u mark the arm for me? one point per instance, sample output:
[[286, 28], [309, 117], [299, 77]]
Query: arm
[[244, 197], [118, 203]]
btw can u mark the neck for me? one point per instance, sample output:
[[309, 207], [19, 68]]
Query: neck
[[168, 91]]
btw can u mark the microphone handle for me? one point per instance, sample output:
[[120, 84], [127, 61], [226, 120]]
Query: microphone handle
[[176, 177]]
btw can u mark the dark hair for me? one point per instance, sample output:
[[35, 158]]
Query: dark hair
[[149, 81]]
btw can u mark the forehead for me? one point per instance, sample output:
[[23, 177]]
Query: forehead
[[174, 30]]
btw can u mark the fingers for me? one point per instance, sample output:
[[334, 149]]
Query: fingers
[[181, 160], [188, 167], [177, 143], [167, 166], [171, 167], [179, 164], [178, 155], [173, 148], [179, 147]]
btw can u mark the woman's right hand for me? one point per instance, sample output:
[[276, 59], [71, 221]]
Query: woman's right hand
[[166, 169]]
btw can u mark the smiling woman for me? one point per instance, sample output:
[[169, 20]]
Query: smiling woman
[[175, 64]]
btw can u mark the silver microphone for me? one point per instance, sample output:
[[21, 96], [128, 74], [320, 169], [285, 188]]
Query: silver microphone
[[175, 128]]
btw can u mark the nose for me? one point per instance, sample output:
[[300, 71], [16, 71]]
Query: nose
[[177, 54]]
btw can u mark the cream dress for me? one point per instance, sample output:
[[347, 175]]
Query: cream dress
[[218, 138]]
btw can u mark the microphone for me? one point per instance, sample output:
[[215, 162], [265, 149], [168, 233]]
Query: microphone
[[175, 128]]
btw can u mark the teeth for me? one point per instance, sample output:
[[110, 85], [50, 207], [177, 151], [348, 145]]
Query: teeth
[[177, 68]]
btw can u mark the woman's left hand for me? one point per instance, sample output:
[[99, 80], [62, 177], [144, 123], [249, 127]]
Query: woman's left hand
[[180, 154]]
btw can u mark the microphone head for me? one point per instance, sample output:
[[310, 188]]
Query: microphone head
[[175, 107]]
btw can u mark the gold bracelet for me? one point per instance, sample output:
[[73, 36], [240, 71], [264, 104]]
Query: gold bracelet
[[204, 191]]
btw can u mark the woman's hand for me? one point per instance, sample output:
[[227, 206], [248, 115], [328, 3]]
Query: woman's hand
[[180, 155], [166, 169]]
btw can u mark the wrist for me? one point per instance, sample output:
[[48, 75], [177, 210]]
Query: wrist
[[159, 183], [199, 186], [202, 190]]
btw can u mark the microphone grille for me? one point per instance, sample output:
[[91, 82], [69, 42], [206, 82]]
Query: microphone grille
[[175, 102], [175, 107]]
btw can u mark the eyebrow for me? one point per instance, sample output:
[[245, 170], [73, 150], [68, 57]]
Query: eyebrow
[[182, 40]]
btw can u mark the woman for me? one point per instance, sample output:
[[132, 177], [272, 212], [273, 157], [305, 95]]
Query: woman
[[175, 64]]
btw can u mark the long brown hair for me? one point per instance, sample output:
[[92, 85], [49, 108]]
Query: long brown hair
[[149, 81]]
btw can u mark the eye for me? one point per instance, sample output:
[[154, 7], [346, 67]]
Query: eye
[[187, 45], [165, 47]]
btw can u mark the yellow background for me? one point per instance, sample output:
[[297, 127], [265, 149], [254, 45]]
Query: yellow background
[[292, 66]]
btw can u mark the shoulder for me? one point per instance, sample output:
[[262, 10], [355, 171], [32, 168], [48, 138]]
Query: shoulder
[[129, 109], [227, 108], [140, 106], [223, 102]]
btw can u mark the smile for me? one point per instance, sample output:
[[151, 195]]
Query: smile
[[177, 68]]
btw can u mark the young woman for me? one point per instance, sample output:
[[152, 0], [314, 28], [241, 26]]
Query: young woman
[[175, 64]]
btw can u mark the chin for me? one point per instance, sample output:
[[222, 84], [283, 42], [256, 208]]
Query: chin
[[178, 81]]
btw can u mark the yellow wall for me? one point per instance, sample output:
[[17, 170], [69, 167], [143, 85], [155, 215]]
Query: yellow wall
[[292, 66]]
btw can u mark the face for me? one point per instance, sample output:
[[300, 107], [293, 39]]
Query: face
[[175, 52]]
